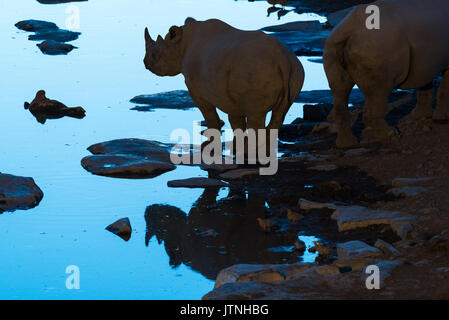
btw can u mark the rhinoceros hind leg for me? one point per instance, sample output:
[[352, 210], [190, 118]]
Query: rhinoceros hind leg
[[340, 115], [423, 109], [441, 113], [374, 111]]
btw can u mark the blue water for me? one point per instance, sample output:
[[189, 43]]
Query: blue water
[[67, 228]]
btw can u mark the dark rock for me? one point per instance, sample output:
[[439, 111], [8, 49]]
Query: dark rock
[[314, 25], [178, 99], [58, 1], [325, 97], [43, 108], [52, 47], [36, 25], [125, 166], [18, 193], [58, 35], [316, 113], [197, 183], [122, 228], [134, 147]]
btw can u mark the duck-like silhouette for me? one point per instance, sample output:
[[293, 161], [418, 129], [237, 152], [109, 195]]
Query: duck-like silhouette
[[43, 108]]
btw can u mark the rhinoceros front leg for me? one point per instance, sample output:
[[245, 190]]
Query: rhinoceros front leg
[[423, 109], [441, 113]]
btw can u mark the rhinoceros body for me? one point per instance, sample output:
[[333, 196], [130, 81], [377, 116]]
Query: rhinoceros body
[[408, 51], [245, 74]]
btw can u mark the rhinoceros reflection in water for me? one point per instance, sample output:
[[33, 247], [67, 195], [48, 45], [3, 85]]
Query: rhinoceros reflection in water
[[217, 234]]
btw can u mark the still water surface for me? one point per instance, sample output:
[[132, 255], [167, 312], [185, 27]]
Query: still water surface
[[67, 228]]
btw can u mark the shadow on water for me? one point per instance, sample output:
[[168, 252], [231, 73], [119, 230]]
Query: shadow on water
[[216, 234]]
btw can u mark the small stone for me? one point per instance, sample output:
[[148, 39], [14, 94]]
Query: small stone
[[266, 224], [403, 229], [386, 247], [300, 245], [309, 205], [122, 228], [407, 191], [294, 216], [354, 217]]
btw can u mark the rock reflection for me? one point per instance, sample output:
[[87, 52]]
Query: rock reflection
[[217, 234]]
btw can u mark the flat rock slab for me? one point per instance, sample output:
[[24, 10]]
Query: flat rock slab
[[238, 173], [356, 250], [197, 183], [260, 273], [125, 166], [135, 147], [178, 99], [18, 193], [310, 205], [354, 217], [51, 47], [314, 25]]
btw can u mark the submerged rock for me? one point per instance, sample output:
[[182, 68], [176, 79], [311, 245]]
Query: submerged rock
[[197, 183], [125, 166], [238, 173], [52, 47], [178, 99], [122, 228], [303, 43], [18, 193]]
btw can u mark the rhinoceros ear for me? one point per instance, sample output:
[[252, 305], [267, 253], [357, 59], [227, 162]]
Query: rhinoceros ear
[[175, 34], [189, 20], [148, 39]]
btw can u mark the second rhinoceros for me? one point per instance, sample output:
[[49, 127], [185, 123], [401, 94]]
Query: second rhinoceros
[[408, 49], [246, 74]]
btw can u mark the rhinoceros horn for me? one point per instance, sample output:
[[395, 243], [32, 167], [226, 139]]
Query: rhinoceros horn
[[148, 39]]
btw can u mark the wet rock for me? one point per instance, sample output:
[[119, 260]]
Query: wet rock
[[18, 193], [122, 228], [356, 250], [386, 247], [36, 25], [407, 191], [135, 147], [354, 217], [52, 47], [310, 205], [356, 152], [197, 183], [315, 60], [402, 229], [238, 173], [178, 99], [58, 35], [406, 182], [294, 216], [267, 225], [43, 108], [314, 25], [316, 112], [322, 249], [300, 245], [125, 166]]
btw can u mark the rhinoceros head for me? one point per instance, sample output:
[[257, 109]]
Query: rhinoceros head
[[164, 56]]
